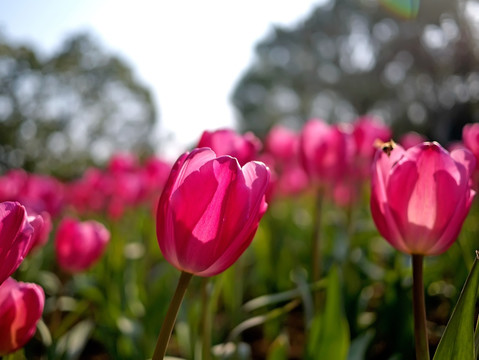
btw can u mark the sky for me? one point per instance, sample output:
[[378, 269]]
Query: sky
[[189, 53]]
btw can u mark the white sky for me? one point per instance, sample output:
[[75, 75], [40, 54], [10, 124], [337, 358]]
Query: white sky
[[190, 53]]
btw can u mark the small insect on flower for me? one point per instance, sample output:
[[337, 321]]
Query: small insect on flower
[[386, 147]]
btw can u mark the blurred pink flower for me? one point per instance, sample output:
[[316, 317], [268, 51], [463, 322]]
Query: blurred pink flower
[[470, 138], [410, 139], [42, 226], [420, 197], [122, 162], [281, 155], [326, 151], [78, 245], [21, 306], [15, 237], [367, 131], [282, 143], [245, 147], [209, 211]]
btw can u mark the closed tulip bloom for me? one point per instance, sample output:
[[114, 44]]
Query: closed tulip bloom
[[79, 245], [209, 211], [470, 138], [420, 197], [326, 151], [42, 226], [282, 143], [228, 142], [411, 139], [21, 306], [15, 237]]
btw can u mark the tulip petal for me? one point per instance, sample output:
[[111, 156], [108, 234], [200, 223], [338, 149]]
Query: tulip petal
[[21, 306], [256, 178], [466, 158], [15, 237], [380, 210]]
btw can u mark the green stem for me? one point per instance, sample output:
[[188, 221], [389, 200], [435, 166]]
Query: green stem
[[205, 320], [420, 330], [171, 314], [316, 246]]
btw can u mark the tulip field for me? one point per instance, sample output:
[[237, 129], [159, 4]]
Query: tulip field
[[334, 241]]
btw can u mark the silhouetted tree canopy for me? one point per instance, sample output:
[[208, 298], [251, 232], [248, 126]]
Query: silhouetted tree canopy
[[77, 106], [350, 57]]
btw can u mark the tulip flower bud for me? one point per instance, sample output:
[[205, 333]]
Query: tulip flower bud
[[420, 197], [227, 142], [42, 225], [79, 245], [21, 306], [209, 211], [325, 151], [15, 237]]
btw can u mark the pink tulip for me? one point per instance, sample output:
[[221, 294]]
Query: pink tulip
[[42, 226], [326, 151], [122, 162], [411, 139], [21, 306], [209, 211], [420, 197], [282, 143], [79, 245], [15, 237], [367, 131], [227, 142], [470, 138], [282, 157]]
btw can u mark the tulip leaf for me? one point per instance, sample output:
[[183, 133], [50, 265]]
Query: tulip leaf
[[329, 333], [457, 342], [278, 350]]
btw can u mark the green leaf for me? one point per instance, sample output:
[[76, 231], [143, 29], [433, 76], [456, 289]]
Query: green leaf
[[329, 334], [457, 342], [279, 348]]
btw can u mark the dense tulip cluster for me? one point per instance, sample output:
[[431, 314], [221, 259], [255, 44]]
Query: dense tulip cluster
[[208, 208]]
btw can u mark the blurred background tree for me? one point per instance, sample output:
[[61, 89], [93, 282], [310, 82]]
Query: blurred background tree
[[350, 58], [61, 113]]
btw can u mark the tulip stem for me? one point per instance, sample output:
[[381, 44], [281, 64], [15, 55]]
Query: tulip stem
[[205, 320], [171, 314], [316, 246], [419, 307]]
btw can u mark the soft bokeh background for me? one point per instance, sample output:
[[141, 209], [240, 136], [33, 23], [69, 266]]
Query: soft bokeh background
[[85, 80], [189, 54]]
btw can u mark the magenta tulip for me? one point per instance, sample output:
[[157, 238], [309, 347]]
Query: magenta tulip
[[282, 143], [42, 226], [21, 306], [411, 139], [209, 211], [245, 147], [470, 138], [79, 245], [15, 237], [326, 151], [420, 197], [367, 131]]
